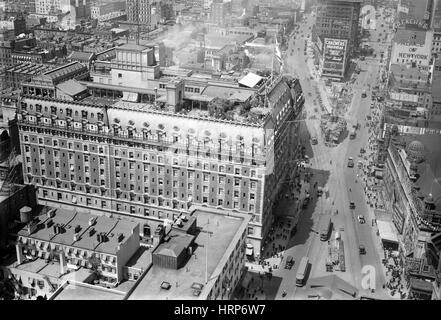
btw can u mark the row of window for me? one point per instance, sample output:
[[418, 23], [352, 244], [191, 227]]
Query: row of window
[[161, 159], [84, 114]]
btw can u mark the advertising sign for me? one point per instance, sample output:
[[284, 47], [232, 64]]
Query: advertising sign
[[335, 50]]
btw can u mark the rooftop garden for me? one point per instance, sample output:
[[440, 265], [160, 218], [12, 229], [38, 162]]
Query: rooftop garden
[[251, 111]]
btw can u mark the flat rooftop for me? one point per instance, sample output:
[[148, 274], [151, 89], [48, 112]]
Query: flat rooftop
[[52, 270], [82, 291], [211, 250], [70, 219]]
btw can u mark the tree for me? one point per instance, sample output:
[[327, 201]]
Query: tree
[[95, 265], [221, 108]]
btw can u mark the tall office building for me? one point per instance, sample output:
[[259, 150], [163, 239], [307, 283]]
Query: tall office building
[[415, 13], [27, 6], [143, 12], [336, 35], [220, 12]]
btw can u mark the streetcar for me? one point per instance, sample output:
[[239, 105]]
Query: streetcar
[[302, 272]]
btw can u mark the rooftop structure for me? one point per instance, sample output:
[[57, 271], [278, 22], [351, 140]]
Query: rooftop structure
[[74, 238], [217, 245], [74, 290]]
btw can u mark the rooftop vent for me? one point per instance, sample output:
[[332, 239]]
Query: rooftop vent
[[101, 237], [120, 237], [91, 232], [92, 221], [76, 237], [184, 218]]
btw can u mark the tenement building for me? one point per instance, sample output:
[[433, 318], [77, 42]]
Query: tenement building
[[152, 160]]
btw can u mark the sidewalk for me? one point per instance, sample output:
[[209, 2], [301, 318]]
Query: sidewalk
[[287, 213], [394, 285]]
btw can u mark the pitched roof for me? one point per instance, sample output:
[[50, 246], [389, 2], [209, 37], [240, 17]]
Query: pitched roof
[[82, 56], [178, 242]]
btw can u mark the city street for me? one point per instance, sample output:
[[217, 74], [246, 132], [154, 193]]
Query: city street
[[329, 168]]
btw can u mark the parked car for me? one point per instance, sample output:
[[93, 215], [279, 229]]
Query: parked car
[[361, 219], [314, 140], [350, 162], [362, 249], [351, 205]]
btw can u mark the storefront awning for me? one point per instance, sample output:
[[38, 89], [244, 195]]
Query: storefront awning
[[130, 96], [386, 231]]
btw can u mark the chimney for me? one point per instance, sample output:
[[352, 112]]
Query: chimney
[[77, 228], [51, 213], [49, 223], [120, 237]]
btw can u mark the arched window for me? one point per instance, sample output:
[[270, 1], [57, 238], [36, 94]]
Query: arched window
[[76, 113]]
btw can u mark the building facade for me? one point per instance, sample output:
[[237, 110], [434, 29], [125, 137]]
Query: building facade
[[337, 21], [130, 159], [142, 12], [74, 239], [107, 10], [413, 197], [220, 12]]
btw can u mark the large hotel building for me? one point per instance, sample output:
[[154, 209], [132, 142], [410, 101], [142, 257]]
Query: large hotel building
[[148, 151]]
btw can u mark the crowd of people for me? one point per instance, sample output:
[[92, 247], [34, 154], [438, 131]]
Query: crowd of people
[[394, 274]]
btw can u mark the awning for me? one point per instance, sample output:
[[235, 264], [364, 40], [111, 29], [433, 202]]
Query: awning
[[379, 174], [386, 231], [421, 285], [201, 98], [249, 249], [130, 96], [162, 99]]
